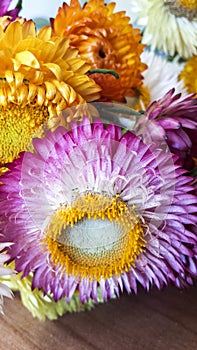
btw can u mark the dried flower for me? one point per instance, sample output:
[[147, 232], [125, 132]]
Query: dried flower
[[169, 25], [173, 119], [92, 209], [106, 40], [40, 77]]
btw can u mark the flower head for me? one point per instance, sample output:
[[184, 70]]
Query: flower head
[[106, 40], [173, 119], [4, 290], [94, 209], [178, 16], [159, 78], [188, 75], [4, 6], [40, 76]]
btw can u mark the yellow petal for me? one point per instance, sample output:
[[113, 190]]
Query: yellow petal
[[73, 96], [45, 53], [71, 53], [16, 64], [1, 32], [60, 47], [40, 96], [28, 29], [23, 93], [9, 76], [64, 89], [36, 77], [50, 90], [44, 33], [28, 59], [32, 92], [29, 44], [3, 97], [13, 34], [76, 64], [19, 77], [55, 69]]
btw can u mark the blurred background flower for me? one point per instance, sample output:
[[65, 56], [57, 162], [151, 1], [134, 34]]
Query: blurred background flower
[[174, 119], [169, 25], [39, 304], [7, 8], [159, 77], [188, 75]]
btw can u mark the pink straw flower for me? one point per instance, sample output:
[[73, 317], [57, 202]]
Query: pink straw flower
[[92, 209], [175, 120]]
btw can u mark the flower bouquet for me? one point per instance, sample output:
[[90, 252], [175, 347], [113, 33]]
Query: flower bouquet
[[98, 153]]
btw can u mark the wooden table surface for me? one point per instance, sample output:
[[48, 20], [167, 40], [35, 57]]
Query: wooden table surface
[[158, 320]]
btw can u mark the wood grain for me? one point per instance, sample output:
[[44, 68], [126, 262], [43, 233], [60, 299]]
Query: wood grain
[[158, 320]]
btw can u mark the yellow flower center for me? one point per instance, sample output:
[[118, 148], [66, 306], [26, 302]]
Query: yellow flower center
[[189, 4], [189, 75], [97, 237], [17, 126], [182, 8]]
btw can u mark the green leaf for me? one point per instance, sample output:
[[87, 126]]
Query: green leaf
[[104, 71]]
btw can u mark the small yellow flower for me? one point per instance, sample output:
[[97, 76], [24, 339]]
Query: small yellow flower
[[106, 40], [39, 77], [189, 75]]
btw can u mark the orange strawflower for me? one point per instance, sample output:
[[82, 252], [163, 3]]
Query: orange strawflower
[[106, 40]]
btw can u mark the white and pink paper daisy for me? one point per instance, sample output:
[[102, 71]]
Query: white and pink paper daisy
[[94, 210]]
